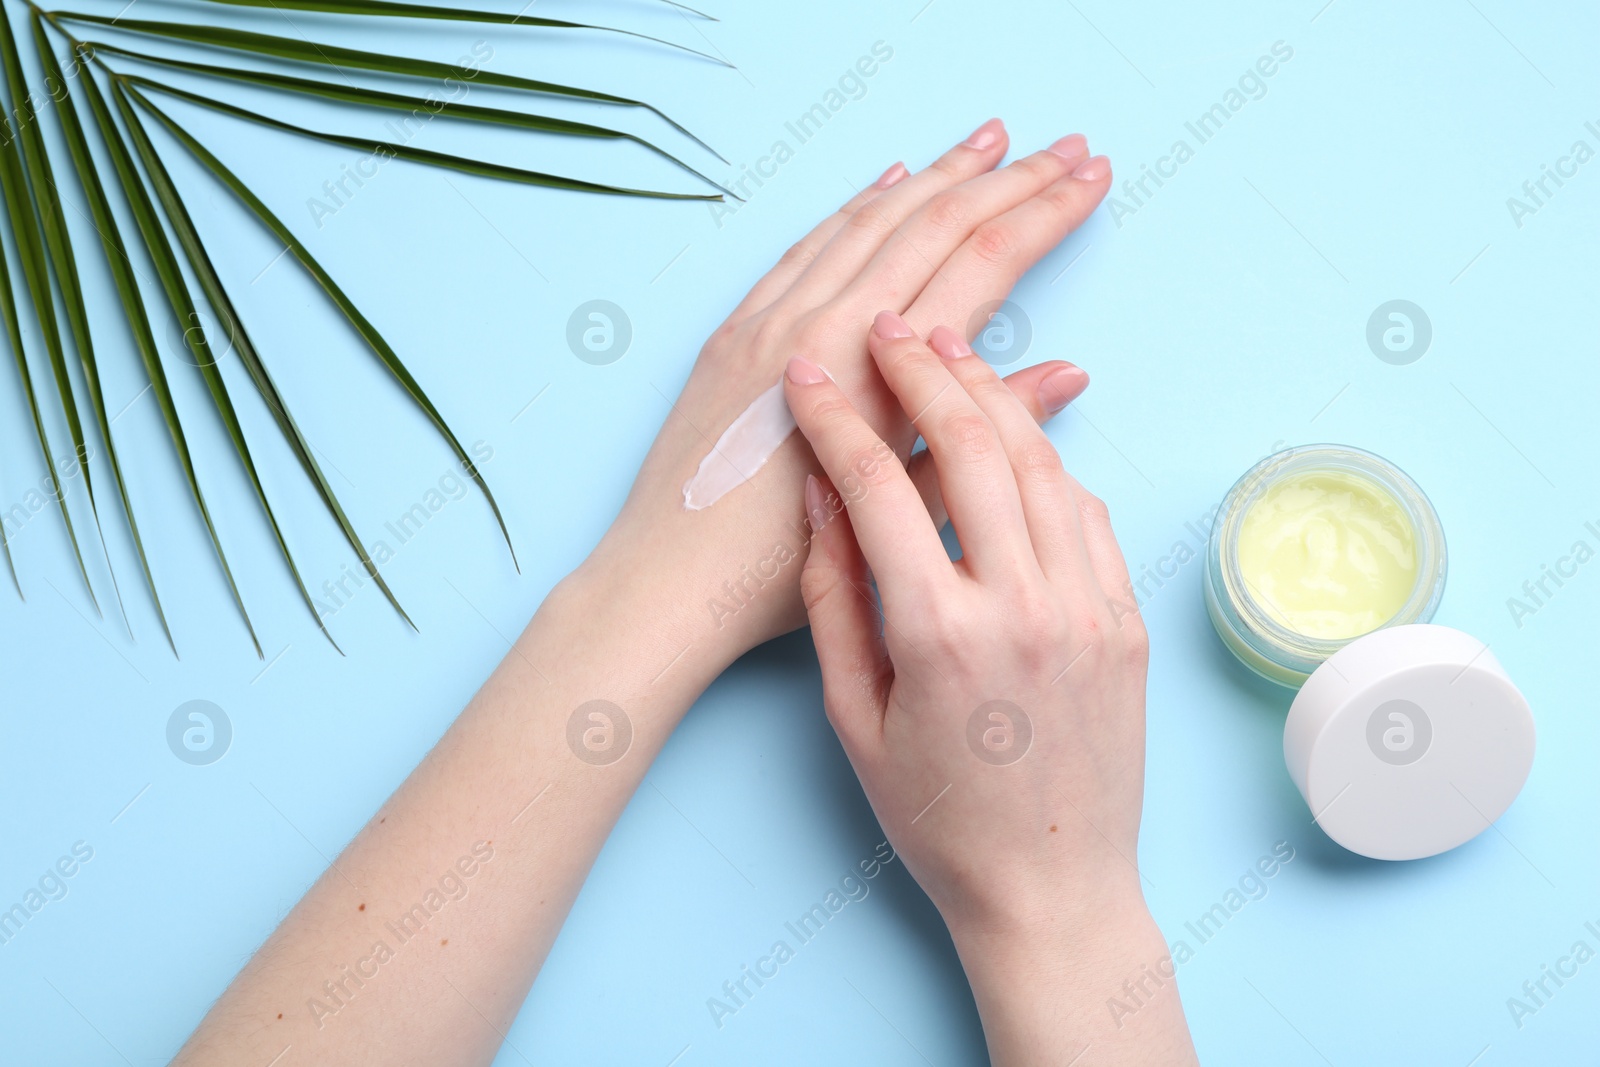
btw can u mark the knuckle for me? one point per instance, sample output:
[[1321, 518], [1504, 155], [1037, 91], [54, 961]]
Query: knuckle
[[983, 384], [943, 633], [854, 204], [799, 255], [994, 243], [1088, 631], [1136, 643], [949, 166], [831, 412], [1064, 197], [947, 213], [867, 464], [869, 223], [816, 584], [724, 337], [902, 357], [1040, 619], [766, 333], [1041, 166], [1037, 459], [1093, 509], [815, 334], [966, 436]]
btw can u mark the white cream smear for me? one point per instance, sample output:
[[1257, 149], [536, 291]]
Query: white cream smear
[[744, 448]]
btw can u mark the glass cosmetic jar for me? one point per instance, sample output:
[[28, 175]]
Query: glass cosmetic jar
[[1313, 547]]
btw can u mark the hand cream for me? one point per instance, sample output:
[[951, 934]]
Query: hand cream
[[1314, 547], [743, 449], [1330, 554]]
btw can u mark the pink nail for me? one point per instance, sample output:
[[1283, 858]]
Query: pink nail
[[1062, 387], [804, 372], [986, 135], [948, 343], [891, 176], [1093, 169], [1071, 146], [890, 326]]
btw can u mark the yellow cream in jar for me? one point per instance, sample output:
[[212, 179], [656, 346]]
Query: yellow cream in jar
[[1328, 554]]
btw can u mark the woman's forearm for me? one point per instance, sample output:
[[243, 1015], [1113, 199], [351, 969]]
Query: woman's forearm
[[422, 940]]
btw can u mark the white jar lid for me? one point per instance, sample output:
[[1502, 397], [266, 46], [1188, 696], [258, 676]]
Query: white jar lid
[[1409, 741]]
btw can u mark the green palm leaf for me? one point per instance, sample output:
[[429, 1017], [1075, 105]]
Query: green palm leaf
[[172, 283], [482, 168], [302, 51], [59, 245], [411, 105], [36, 275], [34, 218], [217, 296], [385, 353], [422, 11], [132, 300]]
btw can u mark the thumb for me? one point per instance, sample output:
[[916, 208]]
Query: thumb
[[843, 609]]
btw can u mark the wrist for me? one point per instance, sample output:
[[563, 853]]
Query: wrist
[[1018, 927], [728, 577], [1052, 982], [633, 613]]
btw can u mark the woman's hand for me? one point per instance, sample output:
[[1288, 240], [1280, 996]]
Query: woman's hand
[[935, 245], [996, 717]]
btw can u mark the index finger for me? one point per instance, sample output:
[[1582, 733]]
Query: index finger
[[891, 524]]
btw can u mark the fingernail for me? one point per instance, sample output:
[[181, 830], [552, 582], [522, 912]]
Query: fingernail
[[948, 343], [804, 372], [1062, 387], [986, 135], [815, 508], [1071, 146], [890, 326], [1093, 169], [891, 176]]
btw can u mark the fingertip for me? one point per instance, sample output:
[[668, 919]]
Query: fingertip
[[986, 136], [889, 326], [948, 344], [1061, 387], [801, 371], [1093, 169], [816, 507], [892, 176], [1072, 147]]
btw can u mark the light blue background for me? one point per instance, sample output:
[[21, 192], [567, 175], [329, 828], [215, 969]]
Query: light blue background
[[1224, 318]]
